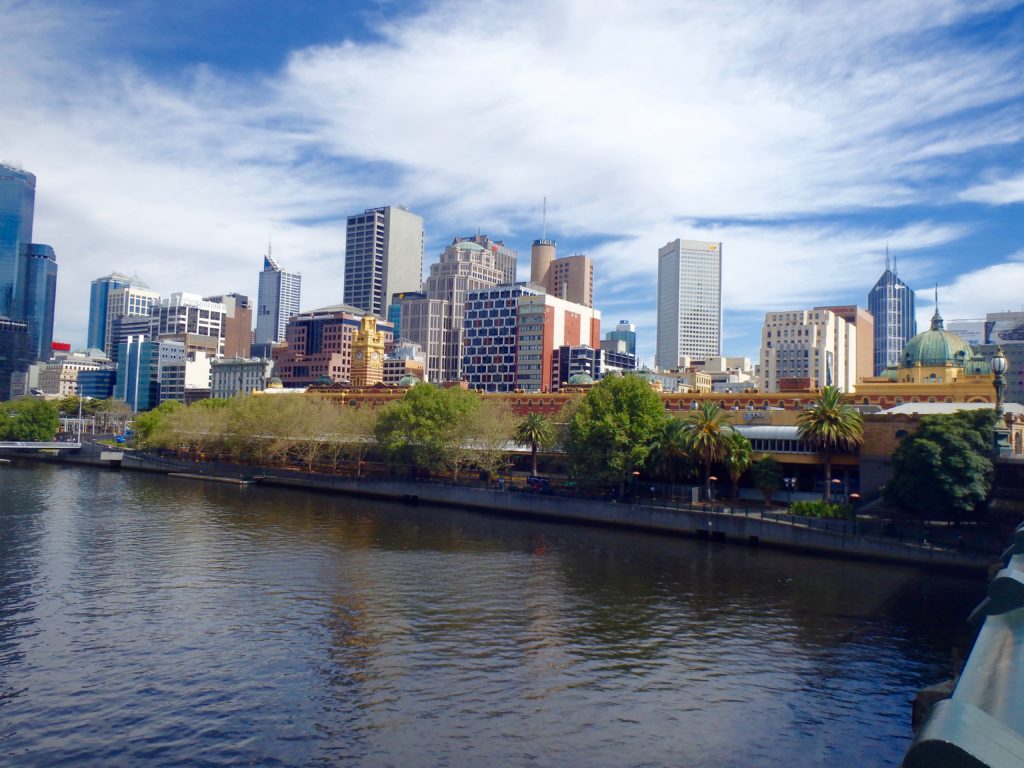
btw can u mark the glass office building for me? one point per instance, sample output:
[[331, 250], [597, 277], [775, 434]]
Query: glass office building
[[28, 271], [891, 302]]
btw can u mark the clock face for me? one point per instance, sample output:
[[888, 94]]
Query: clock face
[[376, 356], [359, 355]]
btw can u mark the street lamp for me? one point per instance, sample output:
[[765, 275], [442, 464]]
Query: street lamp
[[790, 483], [1000, 434], [836, 482], [711, 487]]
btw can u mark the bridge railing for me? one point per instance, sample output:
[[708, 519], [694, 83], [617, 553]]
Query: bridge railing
[[982, 724]]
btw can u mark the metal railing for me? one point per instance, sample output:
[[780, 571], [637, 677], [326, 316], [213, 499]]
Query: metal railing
[[982, 724]]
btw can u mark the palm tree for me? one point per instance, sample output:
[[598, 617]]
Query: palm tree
[[667, 451], [829, 425], [535, 429], [706, 433], [738, 457]]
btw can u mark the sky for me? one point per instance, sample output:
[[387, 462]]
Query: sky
[[172, 140]]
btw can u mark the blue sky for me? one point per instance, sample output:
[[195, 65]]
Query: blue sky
[[170, 139]]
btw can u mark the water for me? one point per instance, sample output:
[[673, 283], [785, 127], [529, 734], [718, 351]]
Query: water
[[156, 621]]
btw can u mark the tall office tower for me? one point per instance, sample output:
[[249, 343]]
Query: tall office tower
[[435, 321], [237, 323], [544, 323], [277, 302], [186, 317], [570, 278], [865, 325], [130, 302], [383, 256], [491, 336], [689, 302], [17, 207], [138, 373], [505, 258], [807, 348], [99, 295], [625, 332], [28, 271], [891, 302], [39, 297]]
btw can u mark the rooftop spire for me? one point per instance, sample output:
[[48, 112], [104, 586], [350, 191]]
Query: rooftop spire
[[936, 318], [887, 264], [544, 220]]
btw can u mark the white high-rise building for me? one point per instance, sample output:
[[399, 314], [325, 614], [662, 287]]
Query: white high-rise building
[[130, 301], [277, 302], [689, 302], [810, 347], [383, 256]]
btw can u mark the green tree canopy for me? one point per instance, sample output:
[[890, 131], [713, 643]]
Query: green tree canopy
[[767, 475], [427, 427], [29, 419], [612, 428], [944, 469], [829, 425], [738, 456], [707, 433], [536, 430]]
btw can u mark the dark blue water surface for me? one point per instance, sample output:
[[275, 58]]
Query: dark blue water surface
[[158, 621]]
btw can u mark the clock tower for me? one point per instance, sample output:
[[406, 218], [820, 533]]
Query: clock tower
[[367, 354]]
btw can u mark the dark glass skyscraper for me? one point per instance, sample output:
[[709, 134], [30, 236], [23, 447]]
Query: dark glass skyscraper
[[17, 207], [28, 271], [891, 302], [99, 298]]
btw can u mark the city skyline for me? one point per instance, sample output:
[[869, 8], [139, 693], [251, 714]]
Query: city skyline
[[177, 150]]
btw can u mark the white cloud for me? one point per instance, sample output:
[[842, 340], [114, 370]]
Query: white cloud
[[1002, 192], [995, 288], [639, 122]]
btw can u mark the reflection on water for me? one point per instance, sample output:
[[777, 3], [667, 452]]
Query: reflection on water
[[154, 620]]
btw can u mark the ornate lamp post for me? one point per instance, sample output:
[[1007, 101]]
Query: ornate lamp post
[[1000, 433]]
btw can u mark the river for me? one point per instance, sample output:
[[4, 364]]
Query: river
[[147, 620]]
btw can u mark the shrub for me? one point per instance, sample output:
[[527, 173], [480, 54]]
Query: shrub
[[818, 508]]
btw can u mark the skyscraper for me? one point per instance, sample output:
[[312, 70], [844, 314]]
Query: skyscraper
[[99, 303], [505, 258], [435, 321], [28, 271], [125, 307], [99, 293], [17, 207], [383, 256], [277, 302], [570, 278], [689, 302], [625, 332], [891, 302]]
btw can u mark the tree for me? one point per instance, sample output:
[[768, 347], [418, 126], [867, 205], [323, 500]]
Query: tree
[[738, 456], [146, 425], [829, 425], [488, 431], [669, 459], [29, 419], [706, 432], [535, 429], [767, 475], [426, 427], [944, 469], [612, 428]]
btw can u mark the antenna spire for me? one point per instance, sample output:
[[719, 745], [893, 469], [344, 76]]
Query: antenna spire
[[544, 220], [887, 264]]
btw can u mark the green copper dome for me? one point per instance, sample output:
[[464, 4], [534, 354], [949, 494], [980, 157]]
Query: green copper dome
[[409, 380], [580, 379], [936, 346]]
